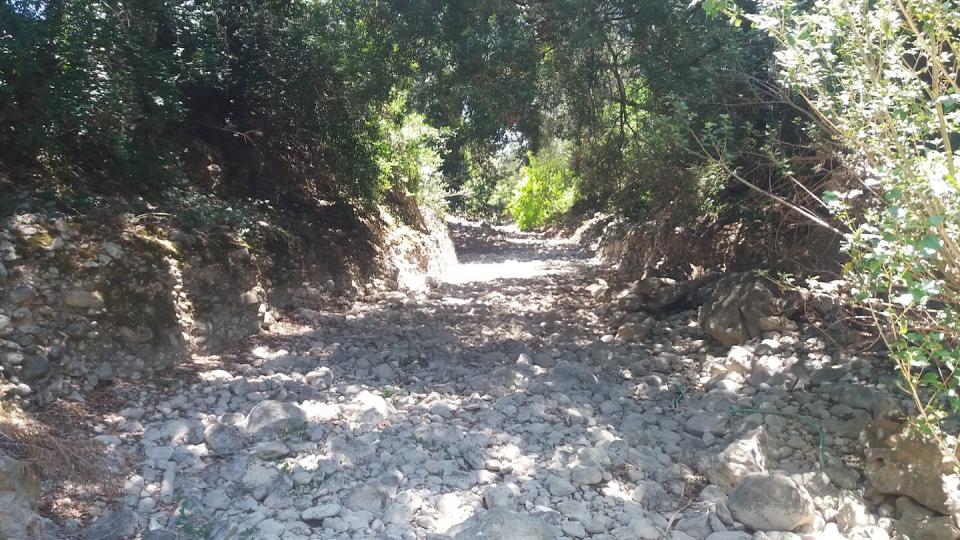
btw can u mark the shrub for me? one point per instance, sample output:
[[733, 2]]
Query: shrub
[[879, 79], [547, 188], [490, 183], [410, 156]]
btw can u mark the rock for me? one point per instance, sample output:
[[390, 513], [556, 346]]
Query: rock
[[708, 422], [635, 331], [868, 533], [160, 534], [643, 529], [501, 524], [34, 367], [224, 531], [367, 497], [573, 528], [178, 431], [560, 487], [113, 250], [119, 525], [223, 438], [136, 336], [317, 513], [83, 299], [544, 360], [270, 450], [851, 513], [652, 496], [21, 294], [694, 524], [657, 294], [729, 535], [19, 481], [594, 457], [18, 522], [916, 521], [501, 496], [843, 477], [259, 477], [321, 412], [742, 307], [370, 408], [168, 483], [397, 514], [899, 463], [586, 475], [771, 503], [739, 459], [274, 417]]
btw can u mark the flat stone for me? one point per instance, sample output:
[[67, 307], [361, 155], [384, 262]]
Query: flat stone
[[83, 299], [771, 503], [119, 525], [316, 513], [586, 475], [501, 524]]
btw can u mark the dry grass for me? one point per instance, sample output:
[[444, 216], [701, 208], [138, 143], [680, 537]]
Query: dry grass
[[62, 457]]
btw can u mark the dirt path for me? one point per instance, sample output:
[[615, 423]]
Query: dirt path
[[498, 403]]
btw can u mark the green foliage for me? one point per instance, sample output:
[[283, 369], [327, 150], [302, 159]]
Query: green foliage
[[276, 89], [875, 77], [198, 210], [546, 190], [490, 184], [410, 157]]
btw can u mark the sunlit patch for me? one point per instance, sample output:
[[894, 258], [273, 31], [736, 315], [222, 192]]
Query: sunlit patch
[[216, 375], [468, 273], [508, 269]]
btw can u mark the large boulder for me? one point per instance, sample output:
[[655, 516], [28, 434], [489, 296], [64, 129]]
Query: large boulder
[[19, 491], [916, 521], [741, 458], [367, 407], [900, 463], [771, 503], [20, 481], [655, 295], [742, 307], [117, 525], [21, 522], [275, 417]]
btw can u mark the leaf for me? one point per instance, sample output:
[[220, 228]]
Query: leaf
[[904, 299], [930, 244], [935, 221]]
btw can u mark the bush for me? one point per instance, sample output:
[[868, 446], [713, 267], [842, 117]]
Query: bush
[[879, 79], [547, 188], [410, 156], [490, 184]]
